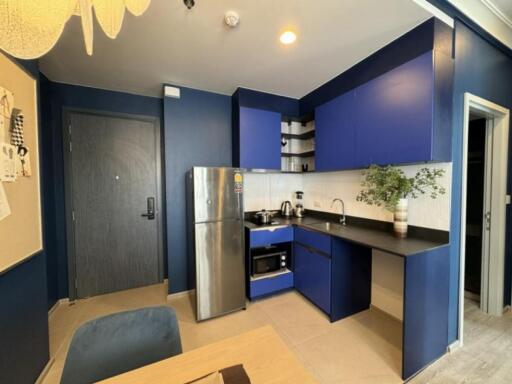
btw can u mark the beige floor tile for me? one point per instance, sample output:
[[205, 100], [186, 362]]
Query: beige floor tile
[[296, 317], [184, 307], [340, 356]]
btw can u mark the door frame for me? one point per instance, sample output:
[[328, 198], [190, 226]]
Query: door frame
[[68, 188], [494, 291]]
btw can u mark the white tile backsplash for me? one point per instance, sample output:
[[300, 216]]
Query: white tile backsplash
[[270, 190]]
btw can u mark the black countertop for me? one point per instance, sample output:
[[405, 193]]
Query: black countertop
[[358, 231]]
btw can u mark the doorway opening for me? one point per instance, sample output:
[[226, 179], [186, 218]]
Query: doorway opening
[[483, 206], [475, 202]]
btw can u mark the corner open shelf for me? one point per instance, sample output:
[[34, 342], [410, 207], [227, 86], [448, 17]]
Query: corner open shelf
[[298, 145]]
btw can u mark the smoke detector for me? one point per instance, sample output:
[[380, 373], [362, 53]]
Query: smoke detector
[[189, 3], [231, 18]]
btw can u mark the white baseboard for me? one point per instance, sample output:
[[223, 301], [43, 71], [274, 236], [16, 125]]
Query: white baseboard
[[454, 346], [57, 304], [180, 294], [45, 371]]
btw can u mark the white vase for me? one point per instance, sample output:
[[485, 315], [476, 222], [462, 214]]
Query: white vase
[[400, 218]]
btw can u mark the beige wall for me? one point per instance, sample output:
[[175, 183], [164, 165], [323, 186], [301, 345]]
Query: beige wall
[[20, 233], [388, 283]]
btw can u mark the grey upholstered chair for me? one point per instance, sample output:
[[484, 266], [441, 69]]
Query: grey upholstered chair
[[118, 343]]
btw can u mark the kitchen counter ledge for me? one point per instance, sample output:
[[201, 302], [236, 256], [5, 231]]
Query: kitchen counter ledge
[[373, 234]]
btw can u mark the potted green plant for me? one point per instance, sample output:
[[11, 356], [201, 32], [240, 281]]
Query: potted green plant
[[390, 187]]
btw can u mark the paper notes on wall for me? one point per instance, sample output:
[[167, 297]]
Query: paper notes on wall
[[6, 107], [6, 102], [5, 210], [23, 167], [8, 157]]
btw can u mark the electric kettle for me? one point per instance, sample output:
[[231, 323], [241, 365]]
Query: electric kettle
[[286, 209]]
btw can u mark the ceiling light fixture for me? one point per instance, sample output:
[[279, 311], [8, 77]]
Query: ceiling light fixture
[[30, 28], [288, 37]]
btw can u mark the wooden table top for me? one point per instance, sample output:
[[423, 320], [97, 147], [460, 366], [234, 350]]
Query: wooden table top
[[265, 357]]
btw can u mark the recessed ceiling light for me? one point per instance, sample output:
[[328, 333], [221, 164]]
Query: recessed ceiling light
[[288, 37]]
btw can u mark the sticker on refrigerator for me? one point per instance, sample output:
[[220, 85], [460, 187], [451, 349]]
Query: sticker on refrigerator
[[239, 183]]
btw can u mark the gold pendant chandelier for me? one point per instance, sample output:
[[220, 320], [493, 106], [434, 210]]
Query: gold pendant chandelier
[[30, 28]]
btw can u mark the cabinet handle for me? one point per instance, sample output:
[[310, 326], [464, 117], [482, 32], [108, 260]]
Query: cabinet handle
[[310, 249]]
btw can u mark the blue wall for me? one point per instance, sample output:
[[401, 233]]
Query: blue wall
[[61, 96], [24, 322], [23, 304], [485, 71], [197, 133], [48, 172]]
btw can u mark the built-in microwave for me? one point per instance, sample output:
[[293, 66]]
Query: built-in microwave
[[268, 262]]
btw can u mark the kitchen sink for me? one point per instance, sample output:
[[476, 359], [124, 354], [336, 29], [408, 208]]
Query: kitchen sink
[[328, 226]]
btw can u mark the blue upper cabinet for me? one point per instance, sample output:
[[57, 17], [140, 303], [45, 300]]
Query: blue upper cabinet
[[335, 134], [394, 116], [400, 117], [259, 139]]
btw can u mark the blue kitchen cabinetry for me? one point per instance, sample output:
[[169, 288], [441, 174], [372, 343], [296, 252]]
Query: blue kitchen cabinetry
[[313, 275], [256, 139], [400, 117], [425, 323], [261, 238], [334, 274], [352, 278], [258, 239], [336, 134]]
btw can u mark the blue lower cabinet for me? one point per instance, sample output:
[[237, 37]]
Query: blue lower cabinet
[[313, 239], [313, 276], [426, 292], [351, 278], [269, 285], [261, 238]]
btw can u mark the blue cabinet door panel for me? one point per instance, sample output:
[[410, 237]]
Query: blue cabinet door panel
[[313, 276], [394, 115], [260, 139], [313, 239], [261, 238], [351, 266], [426, 293], [269, 285], [335, 134]]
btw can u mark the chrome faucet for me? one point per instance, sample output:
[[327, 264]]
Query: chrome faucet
[[343, 220]]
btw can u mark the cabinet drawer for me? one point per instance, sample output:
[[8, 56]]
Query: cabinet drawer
[[313, 276], [269, 285], [269, 236], [313, 239]]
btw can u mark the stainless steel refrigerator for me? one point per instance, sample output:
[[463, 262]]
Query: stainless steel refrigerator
[[216, 239]]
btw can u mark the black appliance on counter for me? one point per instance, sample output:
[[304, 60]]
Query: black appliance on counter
[[268, 260]]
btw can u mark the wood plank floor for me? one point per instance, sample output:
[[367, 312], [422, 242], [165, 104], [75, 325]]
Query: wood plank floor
[[485, 358]]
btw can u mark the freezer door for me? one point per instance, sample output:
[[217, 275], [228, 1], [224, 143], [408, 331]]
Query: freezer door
[[220, 276], [217, 194]]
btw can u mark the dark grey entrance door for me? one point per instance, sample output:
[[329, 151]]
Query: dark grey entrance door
[[114, 176]]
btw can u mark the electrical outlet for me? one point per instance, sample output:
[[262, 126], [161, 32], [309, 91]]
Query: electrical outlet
[[317, 204]]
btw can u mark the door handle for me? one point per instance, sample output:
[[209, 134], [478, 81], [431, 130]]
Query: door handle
[[150, 214]]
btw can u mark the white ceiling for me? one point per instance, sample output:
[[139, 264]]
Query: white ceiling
[[169, 44]]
